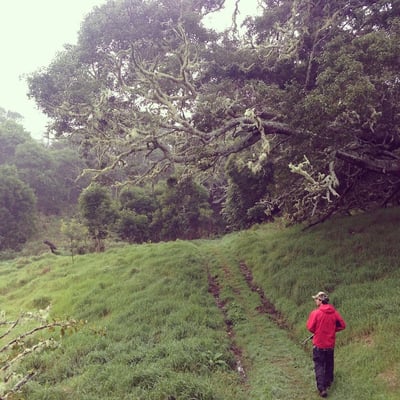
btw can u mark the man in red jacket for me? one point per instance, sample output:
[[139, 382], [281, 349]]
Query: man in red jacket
[[324, 322]]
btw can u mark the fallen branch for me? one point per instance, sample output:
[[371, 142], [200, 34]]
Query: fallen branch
[[16, 349]]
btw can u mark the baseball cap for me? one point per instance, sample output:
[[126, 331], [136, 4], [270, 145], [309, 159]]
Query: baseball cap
[[321, 296]]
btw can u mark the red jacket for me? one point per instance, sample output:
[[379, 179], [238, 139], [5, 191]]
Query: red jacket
[[324, 322]]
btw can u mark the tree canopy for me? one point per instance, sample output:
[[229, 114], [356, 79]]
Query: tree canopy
[[51, 171], [17, 210], [311, 88]]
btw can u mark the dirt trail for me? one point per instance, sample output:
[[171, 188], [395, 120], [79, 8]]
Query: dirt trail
[[266, 307], [270, 364], [213, 287]]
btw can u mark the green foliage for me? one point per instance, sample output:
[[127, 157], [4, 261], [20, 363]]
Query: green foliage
[[76, 233], [17, 210], [137, 199], [68, 167], [50, 171], [36, 168], [184, 211], [246, 188], [98, 211], [11, 135], [132, 227], [134, 220], [306, 79], [177, 208]]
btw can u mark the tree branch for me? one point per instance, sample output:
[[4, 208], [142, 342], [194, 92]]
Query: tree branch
[[370, 163]]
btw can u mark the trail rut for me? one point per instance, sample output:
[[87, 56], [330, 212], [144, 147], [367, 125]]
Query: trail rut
[[267, 360]]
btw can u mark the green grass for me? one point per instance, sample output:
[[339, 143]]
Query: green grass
[[154, 330]]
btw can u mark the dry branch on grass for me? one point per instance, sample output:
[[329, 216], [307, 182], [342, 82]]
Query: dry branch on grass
[[20, 339]]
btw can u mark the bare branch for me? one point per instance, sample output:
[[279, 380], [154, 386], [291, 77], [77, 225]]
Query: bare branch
[[387, 166]]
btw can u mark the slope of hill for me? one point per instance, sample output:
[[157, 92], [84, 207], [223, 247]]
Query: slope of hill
[[216, 319]]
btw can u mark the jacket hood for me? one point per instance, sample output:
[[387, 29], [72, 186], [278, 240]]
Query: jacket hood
[[327, 308]]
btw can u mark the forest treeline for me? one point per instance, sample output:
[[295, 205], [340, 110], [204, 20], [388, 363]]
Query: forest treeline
[[183, 131], [38, 179]]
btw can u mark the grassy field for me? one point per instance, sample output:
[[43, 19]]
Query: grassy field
[[216, 319]]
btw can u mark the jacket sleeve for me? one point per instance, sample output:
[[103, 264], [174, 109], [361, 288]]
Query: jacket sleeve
[[311, 322], [340, 324]]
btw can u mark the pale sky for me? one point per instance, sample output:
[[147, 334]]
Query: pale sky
[[33, 31]]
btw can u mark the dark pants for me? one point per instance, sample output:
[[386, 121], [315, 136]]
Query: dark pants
[[323, 365]]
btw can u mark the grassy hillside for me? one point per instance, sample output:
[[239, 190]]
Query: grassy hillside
[[217, 319]]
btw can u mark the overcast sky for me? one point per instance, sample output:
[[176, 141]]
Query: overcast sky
[[32, 32]]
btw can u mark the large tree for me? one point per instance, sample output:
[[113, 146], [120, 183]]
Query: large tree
[[338, 68], [17, 210], [313, 87]]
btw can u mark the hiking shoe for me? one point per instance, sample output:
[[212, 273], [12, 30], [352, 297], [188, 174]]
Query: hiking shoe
[[323, 393]]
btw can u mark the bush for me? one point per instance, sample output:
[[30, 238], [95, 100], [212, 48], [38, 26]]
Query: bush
[[133, 227]]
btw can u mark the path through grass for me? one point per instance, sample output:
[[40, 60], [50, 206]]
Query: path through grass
[[274, 366]]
